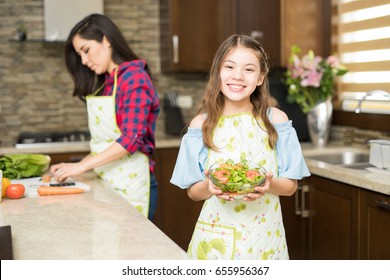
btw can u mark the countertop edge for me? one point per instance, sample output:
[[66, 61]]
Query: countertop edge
[[72, 147], [355, 177], [358, 178]]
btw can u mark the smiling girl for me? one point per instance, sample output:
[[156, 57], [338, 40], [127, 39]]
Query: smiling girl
[[238, 118]]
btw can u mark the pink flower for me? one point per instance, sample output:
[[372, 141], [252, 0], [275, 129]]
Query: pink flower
[[313, 79], [333, 61]]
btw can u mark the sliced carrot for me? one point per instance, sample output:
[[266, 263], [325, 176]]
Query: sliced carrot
[[45, 190], [46, 178]]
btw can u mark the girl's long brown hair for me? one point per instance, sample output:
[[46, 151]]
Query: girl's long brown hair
[[213, 100]]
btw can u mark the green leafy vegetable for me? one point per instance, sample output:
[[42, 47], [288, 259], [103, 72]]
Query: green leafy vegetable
[[236, 177], [17, 166]]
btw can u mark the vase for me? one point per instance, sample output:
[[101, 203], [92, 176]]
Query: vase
[[318, 123]]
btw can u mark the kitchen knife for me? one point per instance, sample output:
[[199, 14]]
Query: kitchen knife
[[62, 184]]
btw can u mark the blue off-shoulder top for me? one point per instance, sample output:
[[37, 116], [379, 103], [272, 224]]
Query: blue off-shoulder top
[[192, 157]]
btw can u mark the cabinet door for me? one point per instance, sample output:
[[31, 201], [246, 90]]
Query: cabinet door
[[176, 213], [333, 222], [191, 31], [295, 220], [261, 20], [305, 23], [67, 157], [375, 226]]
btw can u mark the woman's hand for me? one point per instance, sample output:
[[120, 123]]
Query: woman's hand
[[62, 171], [260, 190]]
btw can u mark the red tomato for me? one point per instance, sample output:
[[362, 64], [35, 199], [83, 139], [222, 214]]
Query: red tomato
[[15, 191], [222, 175], [252, 174]]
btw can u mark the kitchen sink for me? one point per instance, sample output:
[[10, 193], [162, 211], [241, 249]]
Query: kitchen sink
[[349, 159]]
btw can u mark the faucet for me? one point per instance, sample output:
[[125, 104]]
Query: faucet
[[371, 93]]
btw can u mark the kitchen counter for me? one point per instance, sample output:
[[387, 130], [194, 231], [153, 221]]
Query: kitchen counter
[[355, 177], [77, 146], [98, 224], [359, 178]]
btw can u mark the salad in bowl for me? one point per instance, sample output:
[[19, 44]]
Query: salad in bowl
[[237, 178]]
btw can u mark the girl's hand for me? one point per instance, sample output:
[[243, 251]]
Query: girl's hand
[[260, 190], [62, 171], [214, 190]]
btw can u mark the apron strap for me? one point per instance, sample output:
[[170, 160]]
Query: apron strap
[[102, 86]]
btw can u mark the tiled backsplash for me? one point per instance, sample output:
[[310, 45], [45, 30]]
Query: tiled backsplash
[[354, 136], [36, 90]]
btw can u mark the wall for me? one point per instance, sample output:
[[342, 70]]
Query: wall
[[35, 88]]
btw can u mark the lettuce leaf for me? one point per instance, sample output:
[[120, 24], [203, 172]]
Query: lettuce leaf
[[17, 166]]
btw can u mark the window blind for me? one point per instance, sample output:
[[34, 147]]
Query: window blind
[[361, 29]]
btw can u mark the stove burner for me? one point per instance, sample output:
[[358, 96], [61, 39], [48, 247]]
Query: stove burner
[[50, 137]]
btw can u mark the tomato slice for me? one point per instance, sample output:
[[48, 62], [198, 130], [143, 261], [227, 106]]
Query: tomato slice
[[252, 174], [236, 166], [224, 166], [222, 175]]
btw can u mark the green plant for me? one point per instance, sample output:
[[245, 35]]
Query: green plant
[[310, 79]]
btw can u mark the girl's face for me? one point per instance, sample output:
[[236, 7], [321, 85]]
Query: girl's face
[[240, 75], [97, 56]]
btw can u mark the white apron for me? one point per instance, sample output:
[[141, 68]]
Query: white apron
[[129, 176], [240, 229]]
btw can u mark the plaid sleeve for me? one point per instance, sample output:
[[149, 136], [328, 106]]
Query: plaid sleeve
[[133, 109]]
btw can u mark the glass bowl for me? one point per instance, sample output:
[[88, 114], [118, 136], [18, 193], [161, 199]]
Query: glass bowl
[[237, 178]]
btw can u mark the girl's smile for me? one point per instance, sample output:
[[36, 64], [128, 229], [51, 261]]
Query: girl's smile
[[240, 75]]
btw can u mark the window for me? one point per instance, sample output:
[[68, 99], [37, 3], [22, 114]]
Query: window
[[363, 45]]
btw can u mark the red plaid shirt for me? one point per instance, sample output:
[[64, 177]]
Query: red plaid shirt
[[137, 107]]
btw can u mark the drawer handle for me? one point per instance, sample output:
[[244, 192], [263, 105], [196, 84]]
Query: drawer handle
[[175, 42], [300, 208], [383, 204], [305, 212]]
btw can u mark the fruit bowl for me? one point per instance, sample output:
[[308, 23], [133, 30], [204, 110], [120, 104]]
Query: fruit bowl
[[237, 178]]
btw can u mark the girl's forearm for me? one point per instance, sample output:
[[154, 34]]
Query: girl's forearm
[[283, 186], [199, 191]]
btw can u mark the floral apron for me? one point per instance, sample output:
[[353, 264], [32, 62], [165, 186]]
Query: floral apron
[[240, 229], [129, 175]]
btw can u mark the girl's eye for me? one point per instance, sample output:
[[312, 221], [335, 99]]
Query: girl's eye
[[228, 67], [249, 70], [86, 51]]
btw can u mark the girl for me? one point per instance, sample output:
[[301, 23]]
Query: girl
[[122, 111], [238, 118]]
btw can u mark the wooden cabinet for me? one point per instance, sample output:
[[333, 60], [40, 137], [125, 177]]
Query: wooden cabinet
[[260, 19], [191, 31], [375, 226], [333, 220], [67, 157], [176, 213], [295, 219], [306, 23], [330, 220]]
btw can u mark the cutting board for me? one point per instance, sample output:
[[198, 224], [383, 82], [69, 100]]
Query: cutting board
[[31, 185]]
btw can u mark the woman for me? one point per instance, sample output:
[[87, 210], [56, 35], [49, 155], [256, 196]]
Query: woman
[[238, 120], [122, 110]]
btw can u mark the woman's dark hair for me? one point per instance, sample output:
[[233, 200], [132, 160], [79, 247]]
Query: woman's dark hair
[[95, 27]]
